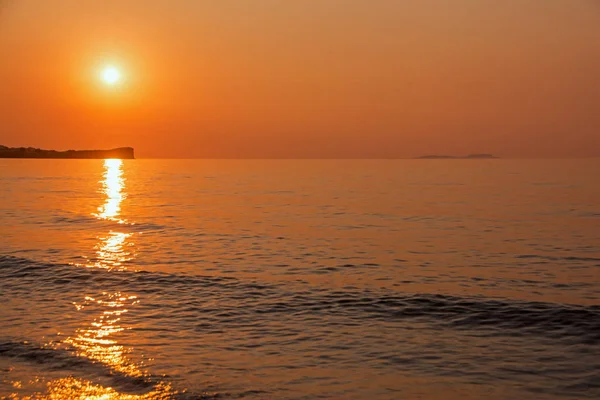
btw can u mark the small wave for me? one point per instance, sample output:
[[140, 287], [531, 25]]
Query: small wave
[[552, 258], [17, 272], [589, 214], [499, 315], [56, 358], [83, 220]]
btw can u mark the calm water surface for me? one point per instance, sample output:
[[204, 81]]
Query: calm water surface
[[159, 279]]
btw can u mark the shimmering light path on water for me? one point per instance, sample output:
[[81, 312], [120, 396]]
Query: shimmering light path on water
[[97, 341]]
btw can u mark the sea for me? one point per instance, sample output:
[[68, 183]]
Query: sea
[[300, 279]]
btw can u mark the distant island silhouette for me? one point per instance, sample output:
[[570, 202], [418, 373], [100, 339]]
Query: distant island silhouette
[[469, 157], [124, 153]]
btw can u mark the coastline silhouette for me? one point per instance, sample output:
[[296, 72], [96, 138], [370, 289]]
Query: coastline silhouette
[[125, 153]]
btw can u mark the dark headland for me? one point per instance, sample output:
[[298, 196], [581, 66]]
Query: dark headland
[[469, 157], [124, 153]]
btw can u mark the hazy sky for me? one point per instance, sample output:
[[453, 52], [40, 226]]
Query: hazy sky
[[303, 78]]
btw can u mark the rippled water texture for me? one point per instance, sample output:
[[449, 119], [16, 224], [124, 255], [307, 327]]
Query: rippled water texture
[[160, 279]]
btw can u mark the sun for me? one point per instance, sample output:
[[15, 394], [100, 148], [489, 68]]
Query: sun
[[111, 75]]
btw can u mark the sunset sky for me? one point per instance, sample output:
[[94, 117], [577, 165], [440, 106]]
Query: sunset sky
[[303, 78]]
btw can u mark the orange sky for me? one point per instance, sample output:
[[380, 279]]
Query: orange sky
[[303, 78]]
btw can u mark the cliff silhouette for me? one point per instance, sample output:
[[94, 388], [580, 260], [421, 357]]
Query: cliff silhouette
[[124, 153]]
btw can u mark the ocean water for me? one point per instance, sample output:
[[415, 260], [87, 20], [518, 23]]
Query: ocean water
[[395, 279]]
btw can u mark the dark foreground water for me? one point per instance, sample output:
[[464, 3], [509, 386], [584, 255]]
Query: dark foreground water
[[154, 279]]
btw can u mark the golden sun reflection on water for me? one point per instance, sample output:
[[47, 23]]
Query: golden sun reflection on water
[[98, 340], [80, 389], [113, 186], [95, 342], [113, 250]]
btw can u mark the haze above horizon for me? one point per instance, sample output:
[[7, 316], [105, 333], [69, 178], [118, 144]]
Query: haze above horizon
[[302, 79]]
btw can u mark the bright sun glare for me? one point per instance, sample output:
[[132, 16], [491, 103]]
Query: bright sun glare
[[111, 75]]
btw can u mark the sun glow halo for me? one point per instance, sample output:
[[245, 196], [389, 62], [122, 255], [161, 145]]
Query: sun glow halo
[[111, 75]]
